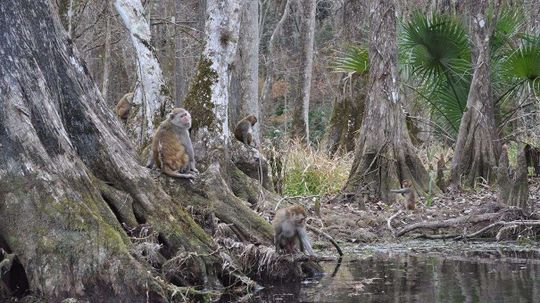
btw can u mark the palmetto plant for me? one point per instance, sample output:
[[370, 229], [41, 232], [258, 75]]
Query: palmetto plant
[[435, 53], [435, 56]]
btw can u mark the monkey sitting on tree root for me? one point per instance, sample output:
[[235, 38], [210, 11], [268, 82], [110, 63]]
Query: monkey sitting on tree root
[[290, 230], [244, 130], [408, 191], [532, 157], [172, 150], [124, 106]]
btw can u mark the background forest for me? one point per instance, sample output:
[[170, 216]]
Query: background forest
[[381, 118]]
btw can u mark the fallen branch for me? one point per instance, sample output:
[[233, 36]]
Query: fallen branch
[[449, 223], [389, 222], [499, 223], [327, 236]]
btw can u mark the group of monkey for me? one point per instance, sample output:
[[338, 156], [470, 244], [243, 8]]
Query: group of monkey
[[172, 153]]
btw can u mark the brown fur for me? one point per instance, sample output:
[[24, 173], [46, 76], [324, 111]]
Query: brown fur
[[440, 173], [123, 106], [287, 221], [532, 157], [168, 151], [244, 129], [408, 191]]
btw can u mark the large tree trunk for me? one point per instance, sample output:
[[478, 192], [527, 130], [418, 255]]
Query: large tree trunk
[[478, 146], [300, 114], [384, 153], [513, 184], [151, 97], [69, 177], [245, 79]]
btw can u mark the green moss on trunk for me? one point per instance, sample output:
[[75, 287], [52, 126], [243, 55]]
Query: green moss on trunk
[[199, 98]]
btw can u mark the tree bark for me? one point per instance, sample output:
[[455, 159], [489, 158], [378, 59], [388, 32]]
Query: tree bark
[[245, 78], [151, 97], [478, 146], [64, 161], [513, 186], [384, 154], [300, 114]]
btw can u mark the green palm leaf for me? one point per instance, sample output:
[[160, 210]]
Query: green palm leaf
[[524, 64], [353, 60]]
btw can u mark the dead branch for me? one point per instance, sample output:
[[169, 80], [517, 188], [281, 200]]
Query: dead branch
[[389, 222], [327, 236], [497, 224], [472, 219]]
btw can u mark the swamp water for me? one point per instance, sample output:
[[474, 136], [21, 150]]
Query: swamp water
[[423, 271]]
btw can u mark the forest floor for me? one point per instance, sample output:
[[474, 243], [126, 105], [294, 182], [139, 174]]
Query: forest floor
[[351, 225]]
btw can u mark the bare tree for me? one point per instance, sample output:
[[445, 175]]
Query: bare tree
[[300, 115], [245, 81], [478, 147], [384, 154], [151, 95]]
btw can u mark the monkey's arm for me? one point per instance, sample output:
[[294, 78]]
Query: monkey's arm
[[401, 191], [192, 166], [305, 244], [169, 172]]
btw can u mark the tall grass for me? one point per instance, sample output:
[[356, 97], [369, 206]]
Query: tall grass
[[310, 171]]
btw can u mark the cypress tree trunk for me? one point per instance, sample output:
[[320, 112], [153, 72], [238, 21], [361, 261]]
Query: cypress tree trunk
[[384, 154], [70, 184], [477, 146]]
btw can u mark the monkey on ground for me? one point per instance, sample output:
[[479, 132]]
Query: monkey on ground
[[290, 230], [172, 150], [244, 130], [408, 192], [123, 106], [440, 173], [532, 157]]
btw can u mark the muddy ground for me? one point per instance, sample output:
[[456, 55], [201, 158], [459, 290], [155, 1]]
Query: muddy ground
[[350, 225]]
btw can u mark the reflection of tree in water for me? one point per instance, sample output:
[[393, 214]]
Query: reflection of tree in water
[[485, 276]]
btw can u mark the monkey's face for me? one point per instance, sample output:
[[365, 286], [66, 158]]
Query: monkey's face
[[299, 219], [181, 118], [252, 119]]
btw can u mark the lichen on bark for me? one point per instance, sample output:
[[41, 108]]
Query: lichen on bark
[[199, 98]]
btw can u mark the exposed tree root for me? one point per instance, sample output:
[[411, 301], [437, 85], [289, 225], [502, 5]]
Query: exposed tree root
[[505, 225], [327, 237], [263, 263], [507, 213], [389, 222]]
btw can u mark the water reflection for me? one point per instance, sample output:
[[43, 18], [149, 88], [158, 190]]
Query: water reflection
[[485, 275]]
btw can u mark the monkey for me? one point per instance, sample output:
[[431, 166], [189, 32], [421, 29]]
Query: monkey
[[244, 130], [172, 150], [532, 157], [408, 192], [290, 229], [440, 173], [123, 106]]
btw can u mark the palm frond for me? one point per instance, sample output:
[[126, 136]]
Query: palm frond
[[353, 60]]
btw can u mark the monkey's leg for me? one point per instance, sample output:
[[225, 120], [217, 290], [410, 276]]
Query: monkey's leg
[[277, 241], [169, 172]]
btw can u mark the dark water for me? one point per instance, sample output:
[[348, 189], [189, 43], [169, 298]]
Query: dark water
[[450, 272]]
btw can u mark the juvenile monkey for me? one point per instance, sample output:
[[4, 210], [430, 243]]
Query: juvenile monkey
[[244, 130], [408, 192], [171, 147], [123, 106], [532, 157], [289, 230], [440, 173]]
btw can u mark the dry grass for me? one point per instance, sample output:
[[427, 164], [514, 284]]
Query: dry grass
[[311, 171]]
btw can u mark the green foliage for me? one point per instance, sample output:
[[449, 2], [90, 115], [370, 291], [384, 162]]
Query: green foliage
[[313, 172], [354, 60], [523, 65], [436, 52]]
